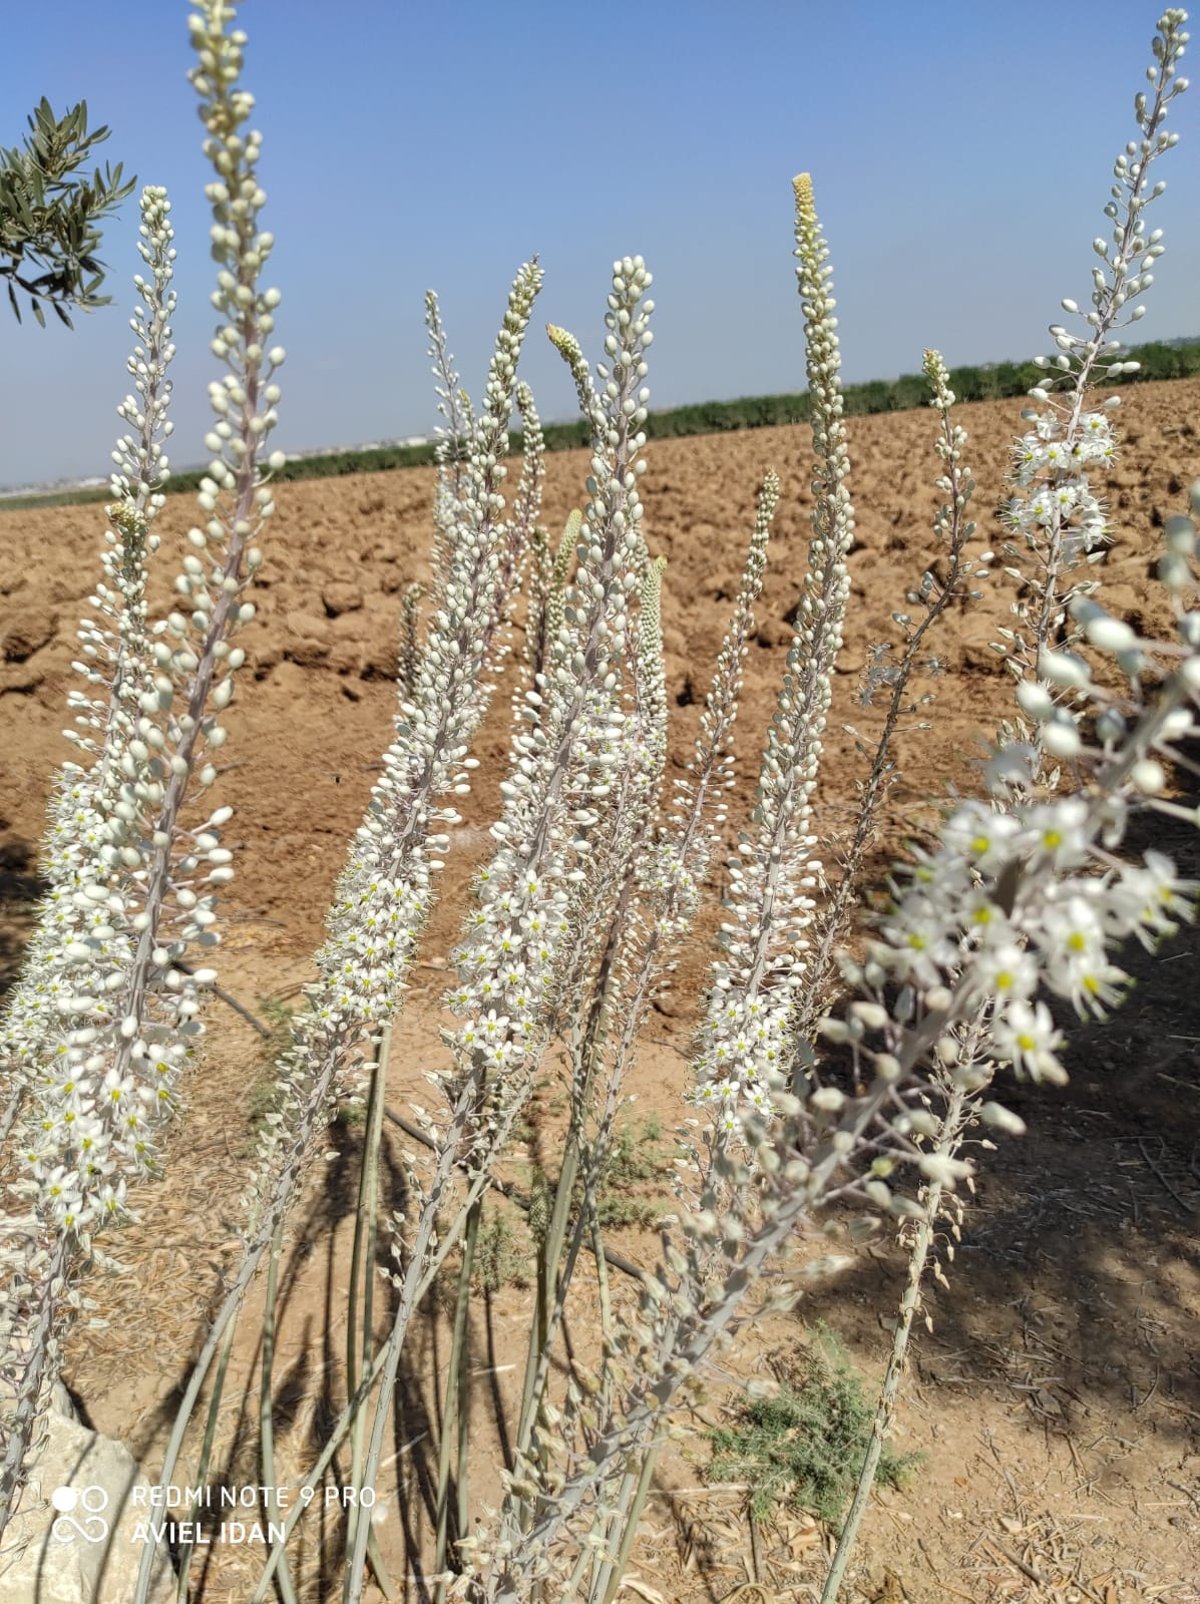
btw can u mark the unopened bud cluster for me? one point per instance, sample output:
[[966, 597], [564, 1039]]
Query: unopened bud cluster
[[114, 1017], [774, 877], [386, 888], [688, 843], [567, 748], [1054, 509]]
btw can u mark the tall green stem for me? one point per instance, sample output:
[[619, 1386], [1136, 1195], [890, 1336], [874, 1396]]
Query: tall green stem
[[266, 1405], [456, 1407], [188, 1548], [362, 1286], [918, 1259]]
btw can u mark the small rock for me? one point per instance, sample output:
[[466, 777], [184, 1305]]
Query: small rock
[[351, 626], [69, 587], [25, 633], [722, 587], [340, 597], [306, 626], [346, 657], [309, 642], [75, 1538], [21, 678], [378, 657], [263, 658], [774, 632]]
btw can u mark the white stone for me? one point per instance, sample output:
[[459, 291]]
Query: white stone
[[72, 1538]]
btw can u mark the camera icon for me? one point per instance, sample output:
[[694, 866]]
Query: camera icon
[[80, 1514]]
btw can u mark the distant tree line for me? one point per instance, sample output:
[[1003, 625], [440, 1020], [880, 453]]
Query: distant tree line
[[1178, 359], [1160, 359]]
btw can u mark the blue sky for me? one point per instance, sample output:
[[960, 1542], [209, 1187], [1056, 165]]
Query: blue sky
[[961, 154]]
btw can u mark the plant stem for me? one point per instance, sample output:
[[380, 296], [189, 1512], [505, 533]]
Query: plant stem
[[455, 1407], [210, 1431], [362, 1275], [464, 1380], [628, 1514], [266, 1416], [918, 1259]]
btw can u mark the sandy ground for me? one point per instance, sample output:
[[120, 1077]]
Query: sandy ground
[[1057, 1400]]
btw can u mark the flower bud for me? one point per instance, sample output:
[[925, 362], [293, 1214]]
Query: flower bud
[[1063, 669], [1061, 739], [1002, 1119]]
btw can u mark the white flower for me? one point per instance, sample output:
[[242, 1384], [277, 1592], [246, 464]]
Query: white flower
[[981, 836], [1006, 971], [1026, 1035], [1146, 898], [1095, 988], [1056, 832], [922, 946], [1072, 942]]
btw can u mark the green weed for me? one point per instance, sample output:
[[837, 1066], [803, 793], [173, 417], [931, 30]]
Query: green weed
[[802, 1446]]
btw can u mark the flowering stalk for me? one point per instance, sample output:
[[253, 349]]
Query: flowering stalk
[[655, 909], [775, 883], [81, 853], [386, 889], [117, 664], [1054, 510], [548, 582], [453, 434], [1063, 522], [743, 1040], [920, 1236], [912, 997], [563, 753], [523, 527], [652, 912], [603, 895], [597, 919], [954, 530], [1071, 951], [594, 965], [788, 776], [563, 764], [689, 840], [130, 1020], [673, 864], [410, 640], [136, 1045]]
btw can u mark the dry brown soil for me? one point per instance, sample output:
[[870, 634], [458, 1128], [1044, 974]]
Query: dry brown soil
[[1056, 1401]]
